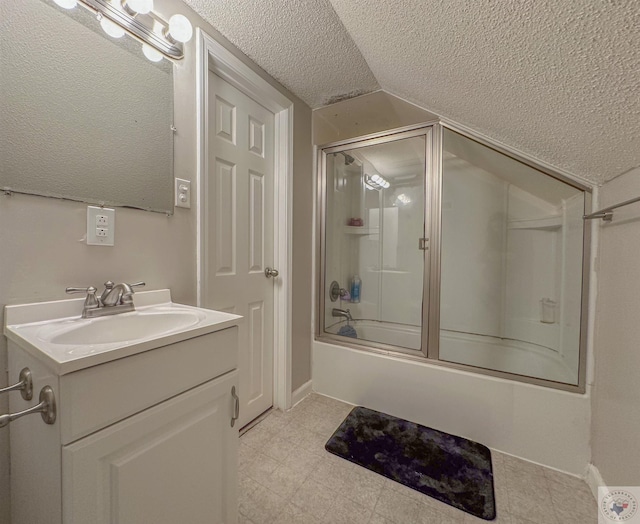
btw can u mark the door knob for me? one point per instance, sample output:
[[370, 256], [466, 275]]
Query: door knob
[[270, 272]]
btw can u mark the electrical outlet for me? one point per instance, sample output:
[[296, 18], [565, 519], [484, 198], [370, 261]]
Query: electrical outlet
[[183, 193], [100, 226]]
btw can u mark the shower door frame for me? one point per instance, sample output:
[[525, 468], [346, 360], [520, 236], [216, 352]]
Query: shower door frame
[[428, 130], [430, 335]]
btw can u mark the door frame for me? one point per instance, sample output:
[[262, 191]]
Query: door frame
[[213, 56]]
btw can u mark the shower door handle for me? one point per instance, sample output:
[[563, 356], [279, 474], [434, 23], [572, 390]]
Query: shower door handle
[[270, 272]]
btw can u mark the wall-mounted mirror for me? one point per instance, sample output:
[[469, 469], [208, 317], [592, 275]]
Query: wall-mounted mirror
[[82, 116]]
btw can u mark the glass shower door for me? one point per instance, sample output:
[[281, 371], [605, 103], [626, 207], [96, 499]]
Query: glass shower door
[[374, 206]]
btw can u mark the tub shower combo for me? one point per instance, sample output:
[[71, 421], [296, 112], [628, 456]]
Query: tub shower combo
[[468, 255]]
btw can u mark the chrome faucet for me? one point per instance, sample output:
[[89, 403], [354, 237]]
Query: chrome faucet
[[116, 298], [118, 294], [344, 313]]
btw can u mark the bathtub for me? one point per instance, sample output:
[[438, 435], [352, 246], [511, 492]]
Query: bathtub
[[387, 333], [545, 425], [511, 356]]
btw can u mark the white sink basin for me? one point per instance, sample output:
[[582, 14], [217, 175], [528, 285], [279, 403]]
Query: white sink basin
[[136, 325], [54, 331]]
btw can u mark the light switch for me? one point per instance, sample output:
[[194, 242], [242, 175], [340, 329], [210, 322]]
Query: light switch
[[101, 224], [183, 193]]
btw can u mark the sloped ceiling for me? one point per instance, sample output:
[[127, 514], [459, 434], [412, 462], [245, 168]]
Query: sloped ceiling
[[557, 79], [300, 43]]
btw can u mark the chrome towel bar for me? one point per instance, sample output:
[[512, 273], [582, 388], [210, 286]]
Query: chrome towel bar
[[25, 385], [606, 214], [46, 408]]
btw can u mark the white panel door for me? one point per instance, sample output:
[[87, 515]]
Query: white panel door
[[238, 232], [175, 462]]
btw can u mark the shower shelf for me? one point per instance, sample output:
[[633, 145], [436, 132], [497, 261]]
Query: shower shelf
[[546, 223], [359, 230]]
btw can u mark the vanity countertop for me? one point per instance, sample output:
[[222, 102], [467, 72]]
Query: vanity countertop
[[55, 333]]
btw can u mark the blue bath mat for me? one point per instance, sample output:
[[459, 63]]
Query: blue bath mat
[[451, 469]]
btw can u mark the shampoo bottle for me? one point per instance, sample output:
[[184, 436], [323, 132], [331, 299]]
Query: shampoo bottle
[[356, 284]]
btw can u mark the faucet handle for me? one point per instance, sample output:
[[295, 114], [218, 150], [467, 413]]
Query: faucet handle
[[108, 286], [91, 302], [89, 290], [127, 295]]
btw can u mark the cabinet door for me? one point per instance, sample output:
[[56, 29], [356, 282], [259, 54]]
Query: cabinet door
[[175, 462]]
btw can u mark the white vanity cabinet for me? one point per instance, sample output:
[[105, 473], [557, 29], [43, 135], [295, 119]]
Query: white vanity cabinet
[[172, 463], [144, 438]]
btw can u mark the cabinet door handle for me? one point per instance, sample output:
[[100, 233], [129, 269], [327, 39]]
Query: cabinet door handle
[[236, 406]]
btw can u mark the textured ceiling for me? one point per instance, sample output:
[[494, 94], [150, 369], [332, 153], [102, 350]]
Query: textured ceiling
[[301, 43], [557, 79]]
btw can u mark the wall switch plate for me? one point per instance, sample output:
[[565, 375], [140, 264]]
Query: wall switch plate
[[183, 193], [101, 226]]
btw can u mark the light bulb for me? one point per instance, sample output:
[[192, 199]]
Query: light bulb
[[151, 53], [111, 28], [385, 184], [66, 4], [180, 28], [139, 6], [375, 178]]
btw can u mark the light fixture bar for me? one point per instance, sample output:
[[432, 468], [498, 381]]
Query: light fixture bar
[[137, 28], [376, 182]]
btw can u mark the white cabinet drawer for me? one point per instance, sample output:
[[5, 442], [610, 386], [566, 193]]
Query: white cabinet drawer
[[96, 397]]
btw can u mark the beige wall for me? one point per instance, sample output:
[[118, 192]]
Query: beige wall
[[364, 115], [42, 252], [302, 227], [615, 433]]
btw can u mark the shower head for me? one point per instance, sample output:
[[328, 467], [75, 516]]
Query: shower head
[[348, 159]]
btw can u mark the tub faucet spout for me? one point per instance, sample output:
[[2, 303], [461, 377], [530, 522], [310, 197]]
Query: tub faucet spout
[[344, 313]]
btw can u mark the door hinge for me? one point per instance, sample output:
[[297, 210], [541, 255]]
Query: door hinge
[[423, 243]]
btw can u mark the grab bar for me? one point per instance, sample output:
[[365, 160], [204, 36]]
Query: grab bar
[[25, 386], [606, 214]]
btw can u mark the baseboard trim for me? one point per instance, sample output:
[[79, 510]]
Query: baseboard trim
[[300, 393], [594, 480]]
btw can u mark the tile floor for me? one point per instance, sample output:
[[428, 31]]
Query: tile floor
[[286, 477]]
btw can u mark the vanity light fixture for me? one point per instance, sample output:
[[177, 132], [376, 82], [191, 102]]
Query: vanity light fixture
[[159, 38], [151, 53], [112, 29], [134, 7], [375, 182], [180, 29], [66, 4]]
